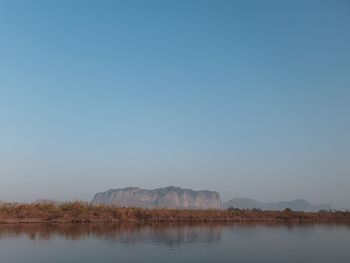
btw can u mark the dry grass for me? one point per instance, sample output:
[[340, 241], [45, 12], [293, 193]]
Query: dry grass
[[74, 212]]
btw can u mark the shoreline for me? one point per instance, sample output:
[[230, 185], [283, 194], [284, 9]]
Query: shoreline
[[80, 212], [204, 221]]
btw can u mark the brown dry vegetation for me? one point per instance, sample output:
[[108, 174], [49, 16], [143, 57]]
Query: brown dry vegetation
[[75, 212]]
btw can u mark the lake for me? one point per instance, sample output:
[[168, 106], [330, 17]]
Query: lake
[[174, 243]]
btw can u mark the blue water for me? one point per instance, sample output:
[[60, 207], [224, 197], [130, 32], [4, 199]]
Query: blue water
[[174, 243]]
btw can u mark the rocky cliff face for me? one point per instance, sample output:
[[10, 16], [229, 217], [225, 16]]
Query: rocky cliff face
[[169, 197]]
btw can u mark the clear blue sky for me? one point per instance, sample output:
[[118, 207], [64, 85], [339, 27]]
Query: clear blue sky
[[249, 98]]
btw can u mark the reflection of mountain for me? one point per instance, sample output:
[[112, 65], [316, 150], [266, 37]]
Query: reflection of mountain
[[170, 235]]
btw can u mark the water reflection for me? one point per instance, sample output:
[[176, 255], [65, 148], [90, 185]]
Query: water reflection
[[173, 243], [171, 235]]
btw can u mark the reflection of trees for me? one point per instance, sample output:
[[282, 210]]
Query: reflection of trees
[[170, 235], [162, 234]]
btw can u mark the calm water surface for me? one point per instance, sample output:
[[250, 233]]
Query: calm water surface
[[174, 243]]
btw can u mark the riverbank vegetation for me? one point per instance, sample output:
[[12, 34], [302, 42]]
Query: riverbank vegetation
[[80, 212]]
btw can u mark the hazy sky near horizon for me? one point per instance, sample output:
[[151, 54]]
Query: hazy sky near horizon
[[249, 98]]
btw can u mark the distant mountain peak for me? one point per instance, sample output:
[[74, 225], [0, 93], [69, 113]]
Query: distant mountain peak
[[296, 205]]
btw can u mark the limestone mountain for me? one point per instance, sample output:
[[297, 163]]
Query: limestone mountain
[[168, 197]]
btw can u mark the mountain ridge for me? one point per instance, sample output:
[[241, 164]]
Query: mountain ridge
[[167, 197], [296, 205], [183, 198]]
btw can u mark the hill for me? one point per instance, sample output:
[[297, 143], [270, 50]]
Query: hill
[[295, 205], [168, 197]]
